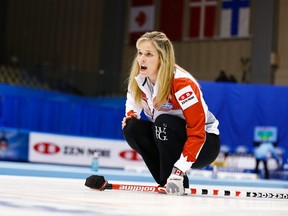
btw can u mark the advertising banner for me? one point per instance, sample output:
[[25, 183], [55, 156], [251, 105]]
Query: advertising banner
[[73, 150]]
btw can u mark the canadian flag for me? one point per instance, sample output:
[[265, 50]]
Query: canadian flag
[[142, 14]]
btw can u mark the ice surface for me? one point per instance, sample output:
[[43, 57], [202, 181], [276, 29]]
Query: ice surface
[[28, 195]]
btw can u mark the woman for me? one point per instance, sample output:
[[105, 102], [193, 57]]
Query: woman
[[180, 132]]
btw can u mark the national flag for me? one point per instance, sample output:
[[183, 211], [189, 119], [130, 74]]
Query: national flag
[[171, 18], [235, 18], [202, 18], [142, 13]]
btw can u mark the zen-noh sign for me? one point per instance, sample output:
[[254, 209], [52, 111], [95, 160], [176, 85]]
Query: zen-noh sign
[[74, 150]]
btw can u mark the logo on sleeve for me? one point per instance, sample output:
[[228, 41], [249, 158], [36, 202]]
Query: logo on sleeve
[[186, 97]]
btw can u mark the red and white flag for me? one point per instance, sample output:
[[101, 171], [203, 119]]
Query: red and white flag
[[142, 16], [203, 15]]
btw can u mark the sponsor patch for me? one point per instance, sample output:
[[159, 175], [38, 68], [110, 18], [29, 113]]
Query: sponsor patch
[[186, 97], [167, 106]]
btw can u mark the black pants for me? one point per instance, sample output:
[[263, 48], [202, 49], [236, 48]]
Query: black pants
[[266, 175], [161, 143]]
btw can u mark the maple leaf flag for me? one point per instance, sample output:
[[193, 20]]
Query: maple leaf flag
[[142, 14]]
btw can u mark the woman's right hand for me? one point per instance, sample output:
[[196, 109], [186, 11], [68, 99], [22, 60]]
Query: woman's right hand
[[126, 118]]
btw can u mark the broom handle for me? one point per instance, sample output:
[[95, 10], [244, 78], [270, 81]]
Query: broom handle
[[200, 191]]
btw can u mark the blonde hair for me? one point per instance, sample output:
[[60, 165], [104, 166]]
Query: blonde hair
[[165, 75]]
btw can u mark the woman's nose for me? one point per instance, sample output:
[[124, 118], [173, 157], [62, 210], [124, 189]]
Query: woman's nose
[[142, 58]]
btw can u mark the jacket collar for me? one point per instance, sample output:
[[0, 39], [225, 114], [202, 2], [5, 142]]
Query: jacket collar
[[145, 86]]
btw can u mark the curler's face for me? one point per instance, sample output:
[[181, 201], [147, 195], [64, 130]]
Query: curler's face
[[148, 60]]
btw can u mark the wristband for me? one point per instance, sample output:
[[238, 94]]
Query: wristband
[[177, 171]]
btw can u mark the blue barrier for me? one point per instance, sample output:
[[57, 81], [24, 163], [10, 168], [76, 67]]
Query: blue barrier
[[45, 111], [239, 108], [242, 107]]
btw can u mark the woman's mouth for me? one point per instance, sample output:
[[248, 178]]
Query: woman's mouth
[[143, 67]]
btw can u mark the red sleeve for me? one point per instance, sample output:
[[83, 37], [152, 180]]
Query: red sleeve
[[188, 96]]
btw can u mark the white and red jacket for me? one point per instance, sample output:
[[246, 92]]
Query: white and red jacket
[[185, 101]]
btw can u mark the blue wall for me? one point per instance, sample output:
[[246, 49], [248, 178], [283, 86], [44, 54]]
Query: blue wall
[[45, 111], [239, 108]]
